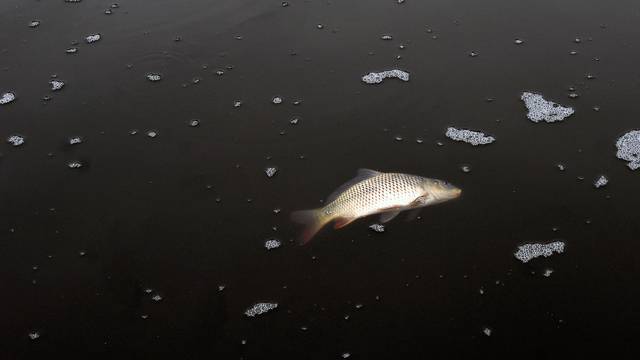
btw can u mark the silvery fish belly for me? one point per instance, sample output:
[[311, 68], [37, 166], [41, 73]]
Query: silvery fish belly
[[372, 192]]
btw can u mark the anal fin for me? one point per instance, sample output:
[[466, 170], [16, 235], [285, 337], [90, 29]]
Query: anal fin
[[342, 222], [388, 216]]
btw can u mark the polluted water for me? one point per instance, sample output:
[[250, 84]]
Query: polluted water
[[152, 154]]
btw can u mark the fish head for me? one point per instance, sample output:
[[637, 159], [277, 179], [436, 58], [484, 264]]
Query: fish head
[[437, 191]]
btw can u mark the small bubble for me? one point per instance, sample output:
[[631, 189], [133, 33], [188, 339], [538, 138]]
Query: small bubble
[[194, 122], [156, 298], [276, 100], [75, 140], [152, 133], [271, 171], [74, 164], [92, 38], [153, 77], [518, 41], [320, 26]]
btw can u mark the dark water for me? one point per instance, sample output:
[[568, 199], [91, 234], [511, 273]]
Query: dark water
[[189, 210]]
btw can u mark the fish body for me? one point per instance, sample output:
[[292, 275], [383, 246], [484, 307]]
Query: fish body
[[373, 192]]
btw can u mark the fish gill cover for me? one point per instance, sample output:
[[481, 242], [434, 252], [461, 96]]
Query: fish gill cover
[[541, 109]]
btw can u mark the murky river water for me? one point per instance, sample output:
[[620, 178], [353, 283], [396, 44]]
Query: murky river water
[[131, 229]]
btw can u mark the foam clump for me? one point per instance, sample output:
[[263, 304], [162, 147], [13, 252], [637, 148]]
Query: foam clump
[[56, 85], [92, 38], [260, 308], [629, 149], [470, 137], [541, 109], [376, 78], [379, 228], [528, 252], [272, 244], [7, 98], [601, 181]]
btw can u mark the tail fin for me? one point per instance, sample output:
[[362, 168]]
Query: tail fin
[[313, 220]]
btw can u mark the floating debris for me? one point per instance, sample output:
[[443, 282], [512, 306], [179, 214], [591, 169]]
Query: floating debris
[[528, 252], [486, 331], [294, 121], [386, 37], [237, 103], [541, 109], [379, 228], [34, 23], [518, 41], [75, 140], [271, 171], [92, 38], [74, 165], [276, 100], [376, 78], [194, 122], [629, 149], [547, 272], [15, 140], [473, 54], [470, 137], [34, 335], [154, 77], [56, 85], [71, 50], [600, 181], [465, 168], [7, 98], [347, 355], [152, 133], [260, 308], [157, 298], [272, 244]]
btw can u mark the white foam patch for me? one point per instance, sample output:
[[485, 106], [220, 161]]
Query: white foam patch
[[629, 149], [272, 244], [601, 181], [92, 38], [260, 308], [15, 140], [377, 228], [541, 109], [470, 137], [270, 171], [7, 98], [376, 78], [56, 85], [528, 252]]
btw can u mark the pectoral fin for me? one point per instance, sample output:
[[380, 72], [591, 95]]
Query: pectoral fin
[[413, 214], [388, 216]]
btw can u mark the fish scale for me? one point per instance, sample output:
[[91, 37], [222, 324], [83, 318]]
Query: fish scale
[[382, 191]]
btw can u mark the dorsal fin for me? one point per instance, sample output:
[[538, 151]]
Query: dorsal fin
[[362, 174]]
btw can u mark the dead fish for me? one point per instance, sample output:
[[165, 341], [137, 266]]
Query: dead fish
[[372, 192]]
